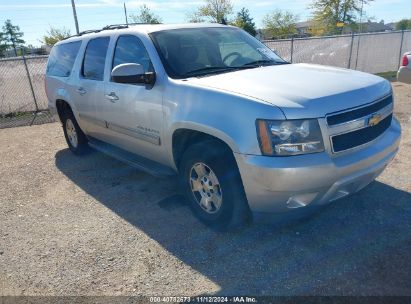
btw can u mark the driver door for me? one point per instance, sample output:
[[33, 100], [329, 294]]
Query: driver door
[[133, 112]]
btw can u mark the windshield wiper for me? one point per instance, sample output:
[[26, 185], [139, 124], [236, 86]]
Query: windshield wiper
[[224, 69], [259, 63], [213, 70]]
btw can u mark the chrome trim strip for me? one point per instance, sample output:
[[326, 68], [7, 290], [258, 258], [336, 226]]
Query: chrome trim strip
[[359, 123], [136, 133], [360, 107], [151, 138]]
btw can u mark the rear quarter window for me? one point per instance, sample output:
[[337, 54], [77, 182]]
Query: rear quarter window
[[61, 59]]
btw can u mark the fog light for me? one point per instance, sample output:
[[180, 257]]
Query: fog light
[[301, 200], [298, 148]]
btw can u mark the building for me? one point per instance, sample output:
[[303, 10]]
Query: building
[[304, 28]]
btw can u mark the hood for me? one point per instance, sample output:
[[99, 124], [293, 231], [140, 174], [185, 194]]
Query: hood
[[302, 90]]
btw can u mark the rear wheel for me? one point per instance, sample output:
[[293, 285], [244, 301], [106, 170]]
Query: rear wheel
[[75, 138], [211, 182]]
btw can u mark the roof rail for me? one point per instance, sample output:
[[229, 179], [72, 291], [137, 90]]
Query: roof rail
[[106, 28], [121, 25], [88, 32], [82, 33], [115, 26]]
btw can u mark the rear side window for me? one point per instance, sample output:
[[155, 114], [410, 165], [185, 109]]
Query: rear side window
[[61, 59], [95, 58], [129, 49]]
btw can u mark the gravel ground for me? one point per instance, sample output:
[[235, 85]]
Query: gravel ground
[[94, 226]]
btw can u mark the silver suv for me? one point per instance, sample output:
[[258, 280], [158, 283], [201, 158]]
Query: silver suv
[[247, 132]]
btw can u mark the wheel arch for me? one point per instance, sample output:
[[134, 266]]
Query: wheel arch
[[187, 135], [62, 106]]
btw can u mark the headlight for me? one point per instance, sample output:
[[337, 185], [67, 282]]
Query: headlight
[[289, 137]]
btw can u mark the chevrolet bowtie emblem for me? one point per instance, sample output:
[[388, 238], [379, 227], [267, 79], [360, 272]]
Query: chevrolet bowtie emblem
[[374, 120]]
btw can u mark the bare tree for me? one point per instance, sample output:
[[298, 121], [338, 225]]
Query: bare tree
[[195, 17]]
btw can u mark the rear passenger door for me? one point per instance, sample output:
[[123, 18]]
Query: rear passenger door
[[89, 90], [134, 116]]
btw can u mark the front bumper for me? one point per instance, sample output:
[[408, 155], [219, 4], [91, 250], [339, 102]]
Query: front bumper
[[282, 184]]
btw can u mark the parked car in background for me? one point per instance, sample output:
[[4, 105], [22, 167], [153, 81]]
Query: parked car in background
[[246, 131], [404, 73]]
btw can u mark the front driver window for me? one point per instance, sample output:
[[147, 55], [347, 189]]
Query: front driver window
[[129, 49]]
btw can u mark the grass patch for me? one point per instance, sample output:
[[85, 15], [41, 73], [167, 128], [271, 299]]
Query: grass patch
[[18, 119], [391, 76]]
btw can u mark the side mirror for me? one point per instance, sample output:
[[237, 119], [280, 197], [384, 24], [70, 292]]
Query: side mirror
[[132, 73]]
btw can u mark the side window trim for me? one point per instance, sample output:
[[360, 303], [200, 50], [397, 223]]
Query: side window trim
[[81, 72], [115, 47], [50, 68]]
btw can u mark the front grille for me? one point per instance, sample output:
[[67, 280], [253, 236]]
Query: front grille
[[339, 118], [359, 137]]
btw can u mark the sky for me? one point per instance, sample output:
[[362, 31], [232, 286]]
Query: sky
[[36, 17]]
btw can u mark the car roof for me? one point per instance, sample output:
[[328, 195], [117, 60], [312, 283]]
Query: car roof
[[137, 28]]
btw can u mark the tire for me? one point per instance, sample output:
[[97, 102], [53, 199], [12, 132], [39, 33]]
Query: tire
[[75, 138], [218, 198]]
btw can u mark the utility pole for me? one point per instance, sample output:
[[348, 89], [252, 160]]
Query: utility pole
[[125, 12], [75, 16], [362, 7], [359, 34]]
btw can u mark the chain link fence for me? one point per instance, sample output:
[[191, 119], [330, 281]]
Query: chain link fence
[[369, 52], [23, 100]]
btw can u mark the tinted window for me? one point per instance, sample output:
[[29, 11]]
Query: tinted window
[[129, 49], [61, 59], [95, 58]]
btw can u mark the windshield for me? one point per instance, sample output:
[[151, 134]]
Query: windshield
[[202, 51]]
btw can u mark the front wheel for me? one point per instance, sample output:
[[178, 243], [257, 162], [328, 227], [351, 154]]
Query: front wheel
[[211, 182]]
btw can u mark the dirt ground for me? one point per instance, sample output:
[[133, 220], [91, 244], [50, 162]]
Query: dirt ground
[[94, 226]]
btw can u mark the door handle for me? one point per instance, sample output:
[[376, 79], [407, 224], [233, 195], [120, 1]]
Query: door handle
[[112, 97], [81, 91]]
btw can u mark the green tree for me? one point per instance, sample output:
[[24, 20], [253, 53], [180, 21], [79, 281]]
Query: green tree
[[403, 24], [280, 24], [330, 13], [12, 35], [145, 15], [55, 35], [212, 11], [3, 45], [244, 21]]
